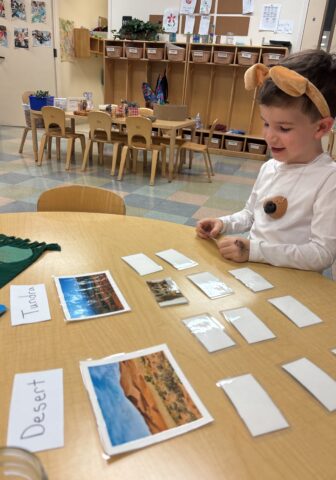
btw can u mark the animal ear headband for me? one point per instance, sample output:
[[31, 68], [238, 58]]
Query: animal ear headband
[[289, 81]]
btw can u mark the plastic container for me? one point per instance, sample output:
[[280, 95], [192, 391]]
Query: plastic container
[[36, 103], [198, 121], [17, 463]]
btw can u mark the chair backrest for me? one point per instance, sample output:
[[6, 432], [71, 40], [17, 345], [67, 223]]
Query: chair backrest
[[25, 96], [53, 117], [80, 198], [100, 125], [212, 129], [146, 112], [139, 128]]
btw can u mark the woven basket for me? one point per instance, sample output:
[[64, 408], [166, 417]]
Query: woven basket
[[154, 53], [113, 51], [257, 148], [223, 57], [247, 58], [133, 52], [272, 58], [200, 56], [234, 145], [176, 54]]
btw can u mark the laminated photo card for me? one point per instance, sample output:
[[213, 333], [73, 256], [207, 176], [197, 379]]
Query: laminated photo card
[[251, 279], [212, 286], [166, 292], [176, 259], [209, 332], [90, 295], [141, 398]]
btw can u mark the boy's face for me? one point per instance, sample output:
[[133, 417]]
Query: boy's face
[[292, 136]]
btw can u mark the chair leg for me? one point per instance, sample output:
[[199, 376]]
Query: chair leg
[[155, 154], [177, 158], [145, 159], [86, 154], [69, 152], [58, 149], [135, 160], [82, 141], [49, 147], [100, 153], [210, 164], [163, 160], [115, 146], [190, 159], [24, 136], [41, 149], [207, 166], [122, 162]]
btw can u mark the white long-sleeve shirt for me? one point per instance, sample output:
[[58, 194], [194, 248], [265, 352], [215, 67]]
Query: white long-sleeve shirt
[[305, 237]]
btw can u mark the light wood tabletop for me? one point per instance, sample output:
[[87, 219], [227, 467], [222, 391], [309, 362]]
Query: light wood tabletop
[[223, 449]]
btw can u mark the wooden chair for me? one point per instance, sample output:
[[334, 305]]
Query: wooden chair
[[139, 135], [27, 128], [101, 132], [80, 198], [198, 148], [55, 126]]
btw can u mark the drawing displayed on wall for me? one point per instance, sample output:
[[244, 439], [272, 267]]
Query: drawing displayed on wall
[[41, 38], [205, 6], [170, 20], [189, 24], [21, 38], [3, 36], [38, 12], [2, 9], [270, 16], [66, 40], [18, 8], [187, 7]]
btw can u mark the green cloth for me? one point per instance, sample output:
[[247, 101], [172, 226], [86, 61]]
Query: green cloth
[[17, 254]]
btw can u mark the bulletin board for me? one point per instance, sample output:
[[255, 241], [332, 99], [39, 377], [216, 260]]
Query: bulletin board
[[236, 25], [229, 7]]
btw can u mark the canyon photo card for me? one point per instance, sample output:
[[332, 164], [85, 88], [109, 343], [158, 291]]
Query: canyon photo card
[[141, 398]]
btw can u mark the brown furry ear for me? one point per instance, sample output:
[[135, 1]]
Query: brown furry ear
[[255, 75]]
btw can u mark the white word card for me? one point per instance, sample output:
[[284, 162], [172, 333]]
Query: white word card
[[315, 380], [28, 304], [253, 404], [248, 324], [209, 332], [251, 279], [176, 259], [36, 417], [295, 311], [212, 286], [142, 264]]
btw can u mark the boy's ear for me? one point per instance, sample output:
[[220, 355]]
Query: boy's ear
[[324, 126]]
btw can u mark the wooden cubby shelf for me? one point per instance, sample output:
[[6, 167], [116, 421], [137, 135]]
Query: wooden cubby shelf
[[208, 78]]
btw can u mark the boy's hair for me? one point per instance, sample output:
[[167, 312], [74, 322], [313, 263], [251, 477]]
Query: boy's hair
[[317, 66]]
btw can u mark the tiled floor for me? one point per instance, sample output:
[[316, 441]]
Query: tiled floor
[[188, 198]]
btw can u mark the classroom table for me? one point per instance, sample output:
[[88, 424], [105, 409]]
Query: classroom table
[[223, 449], [171, 126]]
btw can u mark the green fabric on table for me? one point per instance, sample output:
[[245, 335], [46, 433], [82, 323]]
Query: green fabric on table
[[17, 254]]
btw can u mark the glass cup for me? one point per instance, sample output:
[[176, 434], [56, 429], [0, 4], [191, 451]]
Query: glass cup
[[18, 464]]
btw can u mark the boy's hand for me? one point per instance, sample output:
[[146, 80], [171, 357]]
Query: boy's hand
[[234, 248], [209, 227]]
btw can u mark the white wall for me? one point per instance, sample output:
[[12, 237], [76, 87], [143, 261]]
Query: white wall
[[290, 10], [84, 74]]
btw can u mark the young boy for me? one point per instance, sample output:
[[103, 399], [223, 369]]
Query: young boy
[[291, 212]]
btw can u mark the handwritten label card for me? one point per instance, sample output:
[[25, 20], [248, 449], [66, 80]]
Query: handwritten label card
[[36, 417], [28, 304]]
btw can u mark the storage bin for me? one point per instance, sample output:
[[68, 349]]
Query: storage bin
[[200, 56], [154, 53], [272, 58], [258, 148], [215, 142], [234, 145], [36, 103], [176, 54], [133, 52], [247, 58], [113, 51], [223, 57]]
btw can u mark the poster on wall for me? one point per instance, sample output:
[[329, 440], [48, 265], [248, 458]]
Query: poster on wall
[[41, 38], [2, 9], [187, 7], [205, 7], [270, 16], [18, 8], [189, 24], [21, 39], [3, 36], [248, 6], [204, 25], [67, 40], [38, 12], [170, 20]]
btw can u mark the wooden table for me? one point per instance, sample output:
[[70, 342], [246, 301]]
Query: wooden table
[[171, 126], [223, 449]]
